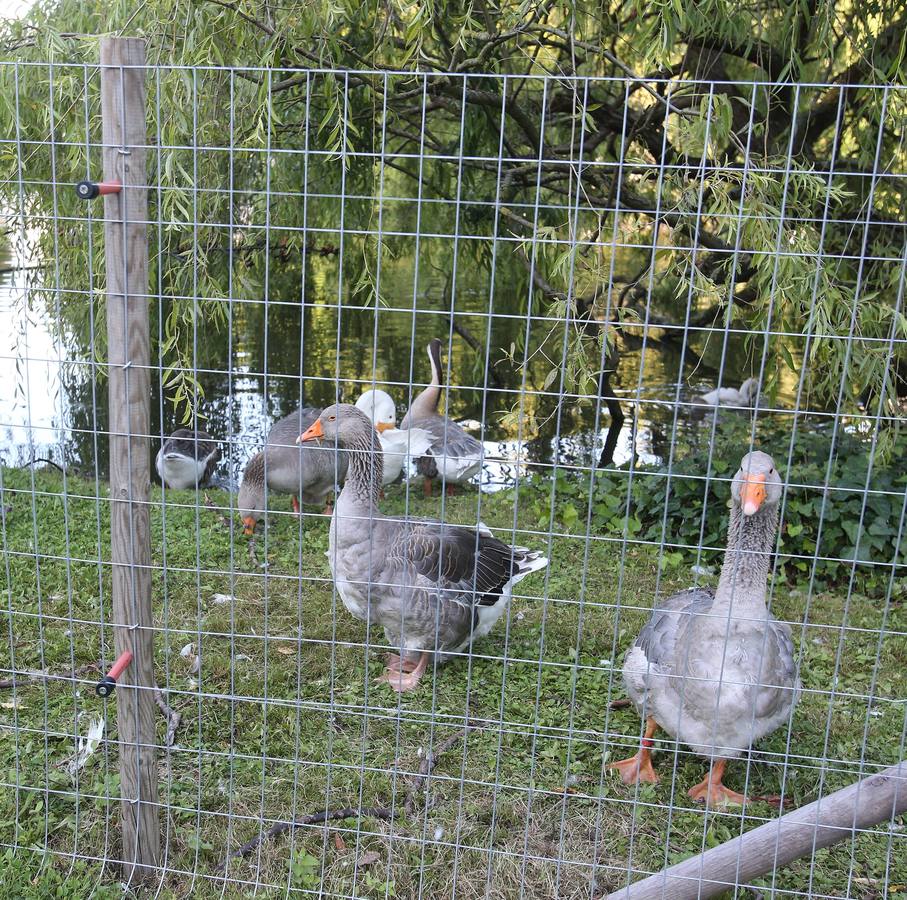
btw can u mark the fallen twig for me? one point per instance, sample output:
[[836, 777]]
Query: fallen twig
[[386, 813], [328, 815], [623, 703], [428, 764], [171, 715]]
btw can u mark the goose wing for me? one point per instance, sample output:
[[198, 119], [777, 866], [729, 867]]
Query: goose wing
[[209, 451], [472, 565], [437, 586], [453, 453], [467, 571], [778, 670], [413, 442], [450, 439], [659, 634], [284, 432]]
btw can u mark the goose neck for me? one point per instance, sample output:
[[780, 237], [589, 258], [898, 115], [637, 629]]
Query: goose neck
[[426, 404], [365, 470], [744, 574]]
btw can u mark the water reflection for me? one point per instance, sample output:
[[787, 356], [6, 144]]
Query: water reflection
[[271, 358], [33, 402]]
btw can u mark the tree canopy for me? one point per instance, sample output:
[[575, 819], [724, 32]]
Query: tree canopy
[[673, 164]]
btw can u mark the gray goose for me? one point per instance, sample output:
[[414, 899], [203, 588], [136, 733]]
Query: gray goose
[[308, 473], [454, 455], [187, 458], [433, 587], [714, 669]]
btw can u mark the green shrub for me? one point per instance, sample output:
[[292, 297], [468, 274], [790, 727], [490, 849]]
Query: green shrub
[[829, 516]]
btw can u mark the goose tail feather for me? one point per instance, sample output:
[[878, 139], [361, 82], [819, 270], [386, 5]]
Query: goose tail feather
[[527, 561]]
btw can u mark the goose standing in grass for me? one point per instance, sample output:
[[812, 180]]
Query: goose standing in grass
[[187, 458], [746, 396], [308, 473], [433, 587], [396, 443], [715, 669], [454, 456]]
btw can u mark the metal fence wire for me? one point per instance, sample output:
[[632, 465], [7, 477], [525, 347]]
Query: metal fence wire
[[627, 312]]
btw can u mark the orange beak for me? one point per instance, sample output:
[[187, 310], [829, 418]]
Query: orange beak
[[385, 426], [313, 432], [752, 494], [248, 526]]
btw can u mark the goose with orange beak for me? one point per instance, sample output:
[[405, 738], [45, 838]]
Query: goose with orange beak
[[433, 587], [715, 670], [309, 474]]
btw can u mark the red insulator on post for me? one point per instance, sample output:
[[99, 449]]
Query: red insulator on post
[[88, 190], [104, 688]]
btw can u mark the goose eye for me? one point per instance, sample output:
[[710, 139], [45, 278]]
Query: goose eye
[[331, 418]]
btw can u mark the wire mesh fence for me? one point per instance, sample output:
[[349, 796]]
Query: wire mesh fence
[[629, 296]]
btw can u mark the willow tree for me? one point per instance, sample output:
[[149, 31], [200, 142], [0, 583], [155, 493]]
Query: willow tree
[[675, 165]]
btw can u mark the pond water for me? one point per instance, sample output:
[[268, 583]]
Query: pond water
[[52, 404]]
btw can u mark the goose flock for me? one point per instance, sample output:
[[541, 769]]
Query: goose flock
[[712, 669]]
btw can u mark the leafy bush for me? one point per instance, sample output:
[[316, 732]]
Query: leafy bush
[[831, 516]]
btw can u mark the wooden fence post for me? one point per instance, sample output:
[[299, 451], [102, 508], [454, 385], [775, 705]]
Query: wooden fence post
[[129, 354], [841, 815]]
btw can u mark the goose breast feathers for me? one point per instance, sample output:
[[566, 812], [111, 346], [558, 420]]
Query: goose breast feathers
[[714, 683]]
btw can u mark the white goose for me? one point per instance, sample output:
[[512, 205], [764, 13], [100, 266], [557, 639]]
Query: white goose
[[397, 444], [746, 396]]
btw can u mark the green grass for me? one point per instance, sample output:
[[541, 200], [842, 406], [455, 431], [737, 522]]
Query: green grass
[[328, 735]]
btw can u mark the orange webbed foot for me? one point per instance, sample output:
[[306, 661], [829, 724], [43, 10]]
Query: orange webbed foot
[[637, 769], [403, 675], [714, 793]]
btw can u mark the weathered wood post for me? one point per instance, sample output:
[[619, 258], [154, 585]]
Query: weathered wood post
[[129, 354], [843, 814]]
